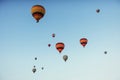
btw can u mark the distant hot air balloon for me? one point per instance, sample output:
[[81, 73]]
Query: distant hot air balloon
[[60, 46], [105, 52], [98, 10], [42, 68], [34, 70], [35, 58], [65, 57], [49, 45], [83, 41], [38, 12], [53, 35]]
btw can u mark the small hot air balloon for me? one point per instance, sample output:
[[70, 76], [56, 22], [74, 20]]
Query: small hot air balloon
[[38, 12], [35, 58], [98, 10], [49, 45], [83, 41], [105, 52], [65, 57], [42, 68], [53, 35], [60, 46], [34, 69]]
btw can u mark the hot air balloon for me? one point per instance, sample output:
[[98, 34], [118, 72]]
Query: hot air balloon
[[65, 57], [83, 41], [98, 10], [42, 68], [53, 35], [60, 46], [34, 69], [38, 12], [105, 52], [35, 58], [49, 45]]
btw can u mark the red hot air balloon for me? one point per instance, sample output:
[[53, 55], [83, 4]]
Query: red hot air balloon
[[83, 41], [60, 46]]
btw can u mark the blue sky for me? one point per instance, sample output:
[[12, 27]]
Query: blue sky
[[22, 39]]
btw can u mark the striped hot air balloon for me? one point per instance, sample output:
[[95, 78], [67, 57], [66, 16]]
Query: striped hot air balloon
[[60, 46], [83, 41], [38, 12]]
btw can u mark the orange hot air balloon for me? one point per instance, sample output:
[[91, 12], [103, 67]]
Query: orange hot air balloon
[[60, 46], [83, 41], [38, 12]]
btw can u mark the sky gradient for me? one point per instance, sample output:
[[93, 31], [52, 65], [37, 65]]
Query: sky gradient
[[22, 39]]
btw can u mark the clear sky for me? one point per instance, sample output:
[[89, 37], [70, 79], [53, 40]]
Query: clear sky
[[22, 39]]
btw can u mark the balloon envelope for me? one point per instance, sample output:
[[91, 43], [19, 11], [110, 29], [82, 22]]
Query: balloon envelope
[[53, 35], [42, 68], [98, 10], [38, 11], [105, 52], [49, 45], [60, 46], [65, 57], [83, 41], [35, 58]]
